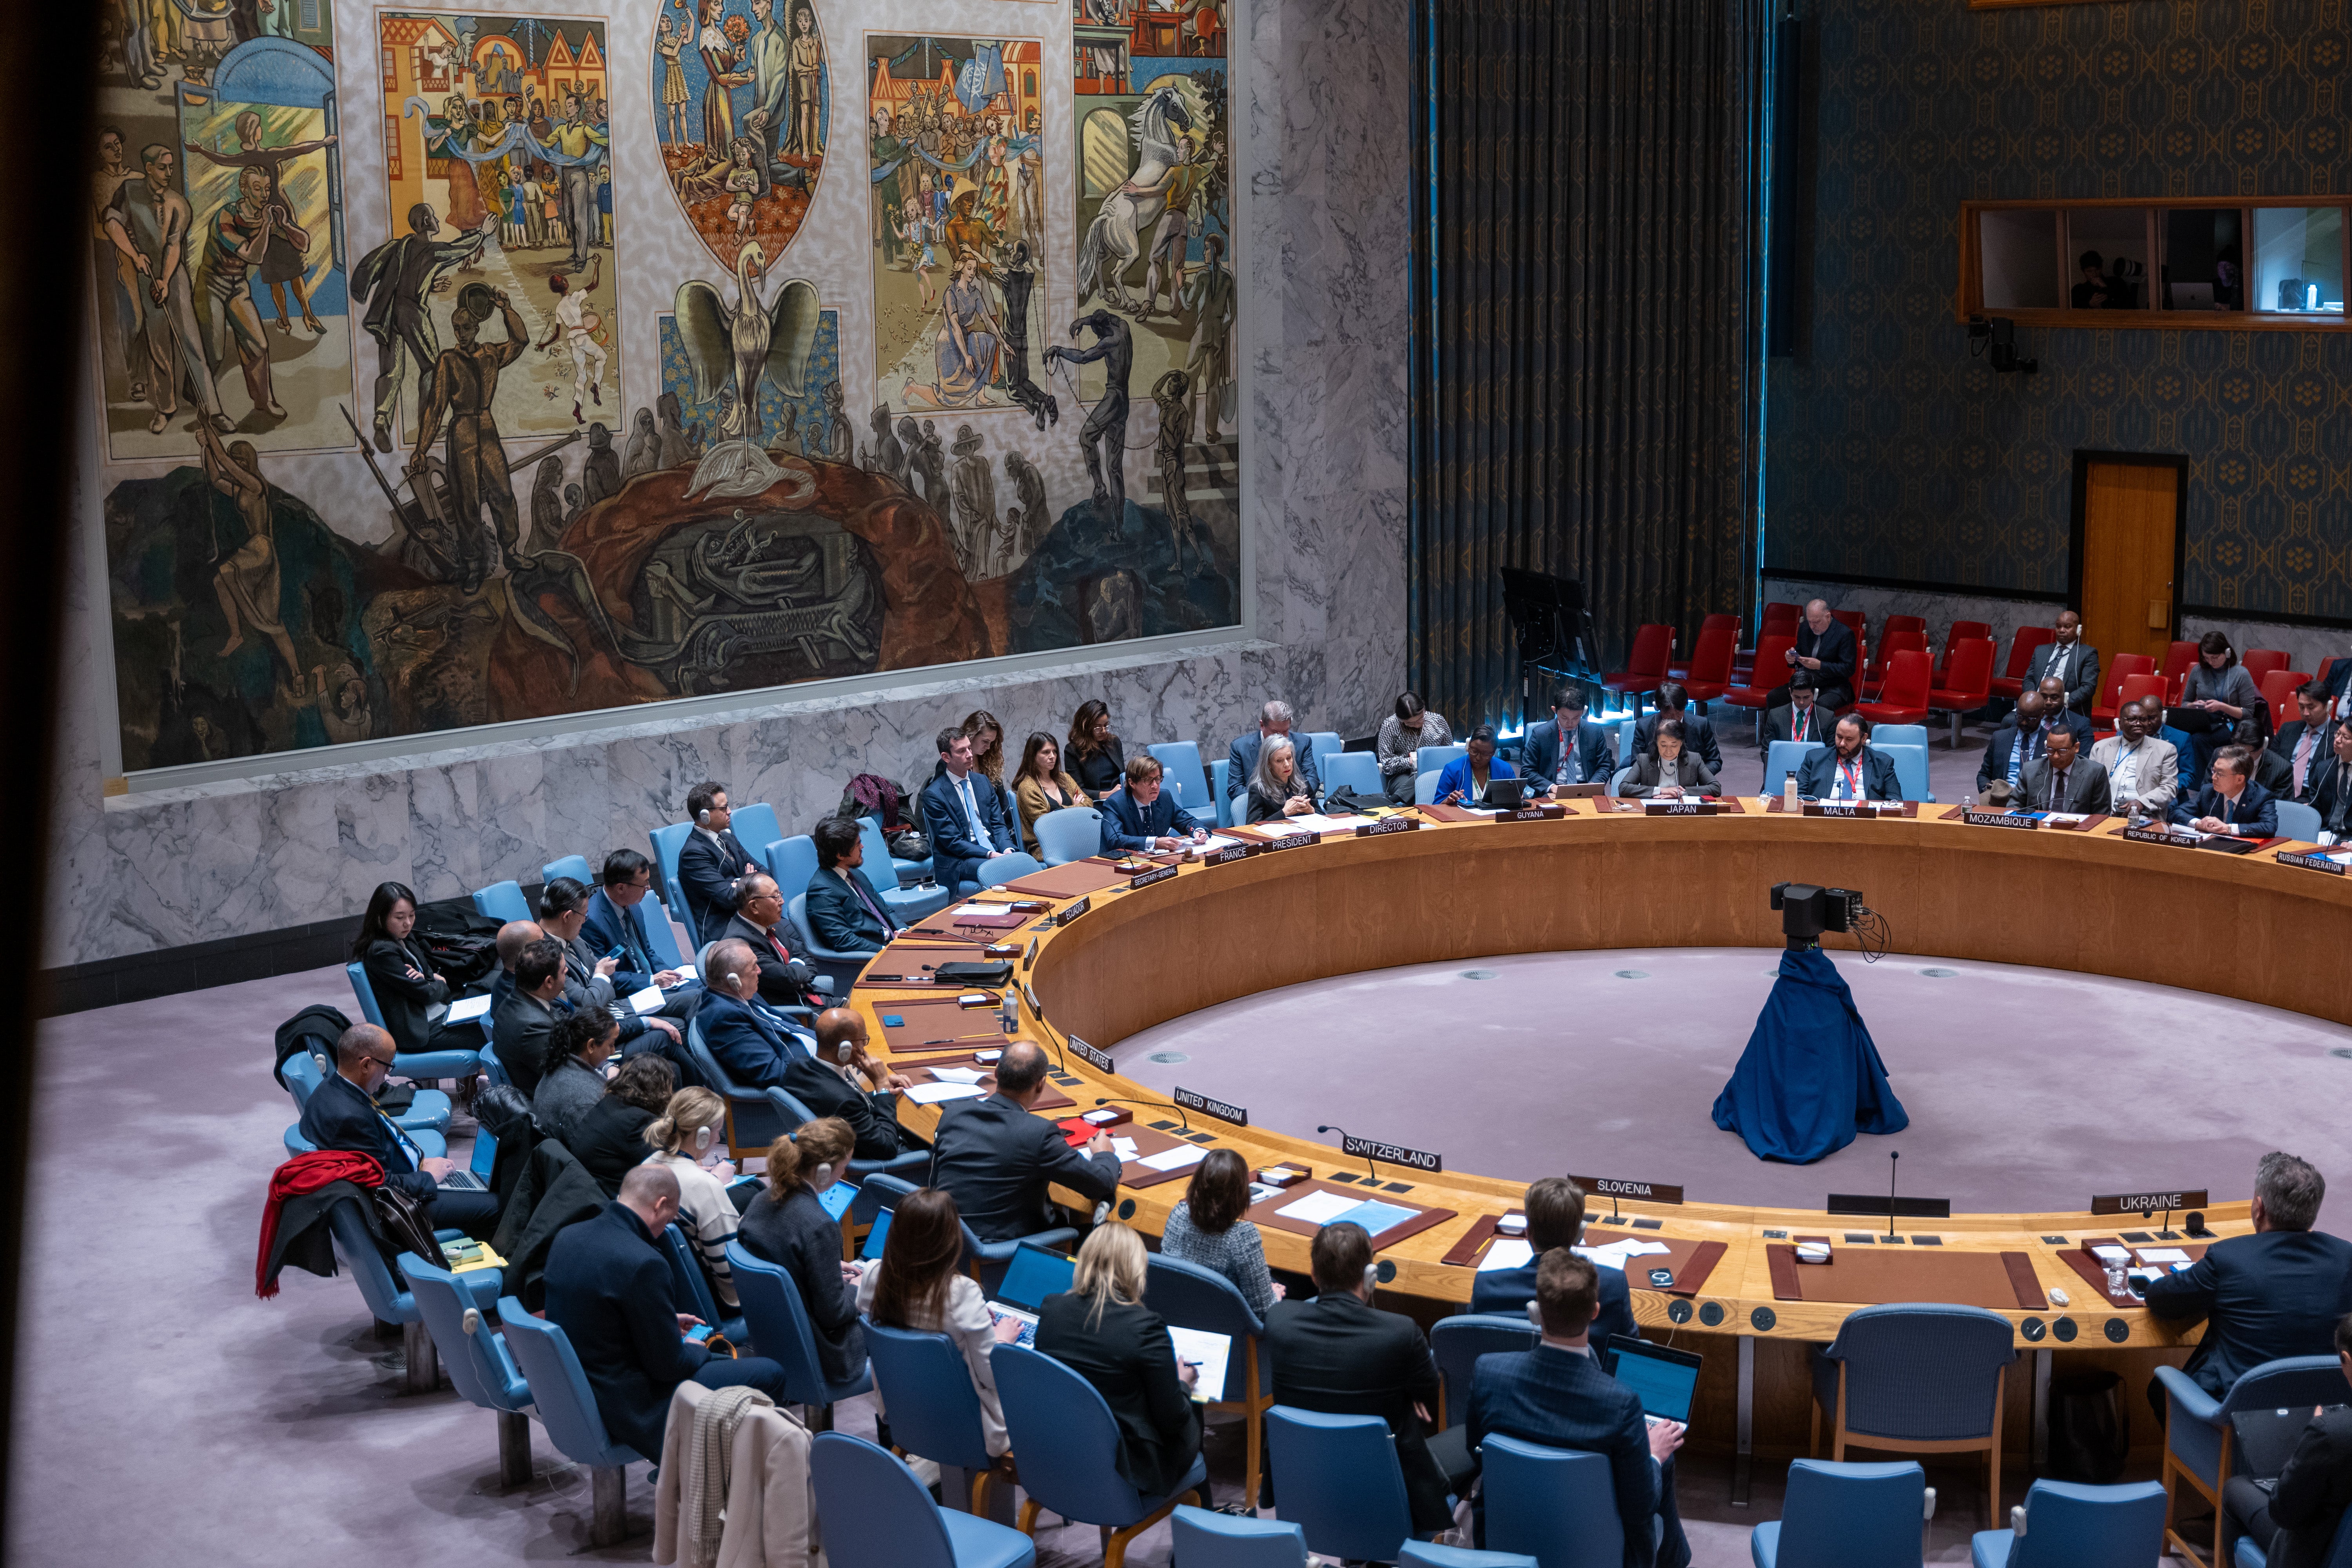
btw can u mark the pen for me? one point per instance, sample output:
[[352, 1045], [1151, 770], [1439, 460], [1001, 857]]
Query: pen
[[958, 1040]]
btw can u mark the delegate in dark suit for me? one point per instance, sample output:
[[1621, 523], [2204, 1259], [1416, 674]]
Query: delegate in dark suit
[[1510, 1291], [2295, 1522], [2002, 759], [1241, 763], [998, 1159], [1128, 824], [398, 973], [956, 849], [1835, 679], [1819, 774], [2290, 736], [1131, 1362], [587, 990], [710, 867], [2080, 671], [1594, 760], [1785, 723], [2254, 814], [1339, 1355], [873, 1119], [1558, 1399], [752, 1043], [2274, 1293], [1699, 735], [609, 926], [844, 913], [2330, 795], [520, 1022], [783, 979], [339, 1116], [2086, 786]]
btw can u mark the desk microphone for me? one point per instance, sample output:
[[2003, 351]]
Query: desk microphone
[[1893, 1157], [1169, 1104], [1329, 1127], [1044, 1030]]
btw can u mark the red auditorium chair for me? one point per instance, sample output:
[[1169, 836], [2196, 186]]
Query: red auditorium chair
[[2110, 698], [1728, 623], [1769, 670], [2178, 660], [2011, 681], [2261, 661], [1645, 669], [2278, 690], [1709, 675], [1903, 699], [1967, 685], [1905, 624], [1899, 639], [1962, 631], [1779, 616]]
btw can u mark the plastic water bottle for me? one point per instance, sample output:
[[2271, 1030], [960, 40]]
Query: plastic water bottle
[[2118, 1282]]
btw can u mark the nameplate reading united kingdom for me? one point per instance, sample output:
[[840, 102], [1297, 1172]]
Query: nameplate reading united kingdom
[[1619, 1187], [2311, 862], [1999, 819], [1149, 878], [1387, 825], [1390, 1153], [1193, 1100], [1680, 808], [1230, 853], [1089, 1053], [2148, 1203], [1293, 841]]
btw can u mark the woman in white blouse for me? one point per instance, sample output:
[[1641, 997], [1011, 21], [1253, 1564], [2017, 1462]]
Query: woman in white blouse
[[689, 1138], [919, 1284]]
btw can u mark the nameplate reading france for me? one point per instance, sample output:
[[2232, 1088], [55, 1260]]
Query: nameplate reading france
[[1390, 1153], [2148, 1203], [1999, 819], [1229, 854], [1387, 825], [1190, 1100], [1619, 1187], [2311, 862], [1149, 878], [1087, 1053], [1293, 841]]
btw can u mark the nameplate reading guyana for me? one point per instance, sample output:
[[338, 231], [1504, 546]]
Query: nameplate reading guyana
[[1293, 841], [1680, 808], [1075, 910], [1392, 1153], [2310, 862], [2148, 1203], [1387, 825], [1230, 853], [1192, 1101], [1619, 1187], [1149, 878], [1089, 1053], [1999, 819], [1531, 814]]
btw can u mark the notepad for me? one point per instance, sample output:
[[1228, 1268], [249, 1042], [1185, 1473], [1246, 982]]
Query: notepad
[[1312, 822], [1375, 1217], [468, 1008], [1614, 1254], [649, 1000], [977, 909], [2162, 1255], [933, 1093], [1125, 1148], [1320, 1208], [956, 1075], [1218, 841], [1507, 1253], [1175, 1158], [1210, 1351]]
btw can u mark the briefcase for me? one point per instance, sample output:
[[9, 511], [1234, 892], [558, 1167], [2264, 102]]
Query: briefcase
[[967, 974]]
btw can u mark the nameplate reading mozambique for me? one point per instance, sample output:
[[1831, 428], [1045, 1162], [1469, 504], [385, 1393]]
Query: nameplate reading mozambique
[[1149, 878], [1293, 841], [1387, 825], [2310, 862], [1229, 854], [1680, 808], [1999, 819], [1531, 814], [1089, 1053], [1075, 910], [1393, 1153], [2148, 1203], [1190, 1100], [1619, 1187], [2158, 835]]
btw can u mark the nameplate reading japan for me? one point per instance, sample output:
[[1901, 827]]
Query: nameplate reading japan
[[1618, 1188], [1190, 1100], [1680, 808], [1293, 841], [1392, 1154], [2148, 1203], [2311, 862], [1149, 878], [1387, 825], [1999, 819], [1087, 1053]]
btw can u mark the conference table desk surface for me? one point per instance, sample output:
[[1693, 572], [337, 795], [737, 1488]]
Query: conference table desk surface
[[1137, 957]]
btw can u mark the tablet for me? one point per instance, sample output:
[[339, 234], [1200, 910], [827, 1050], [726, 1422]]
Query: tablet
[[1663, 1378]]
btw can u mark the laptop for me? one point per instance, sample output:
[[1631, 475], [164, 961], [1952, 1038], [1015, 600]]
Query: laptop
[[2264, 1441], [1034, 1275], [1507, 793], [2193, 296], [463, 1180], [872, 1250], [1664, 1379]]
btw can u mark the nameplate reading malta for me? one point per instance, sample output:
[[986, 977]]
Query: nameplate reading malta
[[1087, 1053], [1390, 1153], [1999, 819], [1149, 878], [2147, 1202], [1619, 1187], [2311, 862], [1190, 1100], [1851, 808], [1387, 825]]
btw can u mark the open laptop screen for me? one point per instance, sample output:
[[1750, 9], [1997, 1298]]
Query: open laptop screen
[[1034, 1275], [1663, 1378]]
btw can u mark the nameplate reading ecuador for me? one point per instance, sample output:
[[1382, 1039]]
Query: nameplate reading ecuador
[[1089, 1053], [1149, 878], [1999, 819], [1075, 910], [1293, 841], [1392, 1153], [1387, 825], [1619, 1187], [2147, 1202], [1190, 1100], [1680, 808], [1229, 854], [2311, 862]]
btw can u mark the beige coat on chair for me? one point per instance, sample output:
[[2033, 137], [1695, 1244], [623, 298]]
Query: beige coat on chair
[[771, 1510]]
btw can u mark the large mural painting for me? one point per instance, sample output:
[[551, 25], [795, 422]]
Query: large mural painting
[[512, 447]]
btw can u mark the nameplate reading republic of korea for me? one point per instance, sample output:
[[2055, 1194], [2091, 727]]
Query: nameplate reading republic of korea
[[1387, 825], [2158, 835], [2148, 1203], [1192, 1101], [2319, 862], [1090, 1054], [1619, 1187], [1149, 878], [1390, 1153], [1998, 819]]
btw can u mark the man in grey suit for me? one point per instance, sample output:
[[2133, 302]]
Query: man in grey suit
[[2071, 660], [2139, 764], [589, 976], [2060, 780]]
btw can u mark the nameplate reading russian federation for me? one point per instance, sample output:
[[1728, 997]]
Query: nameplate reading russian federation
[[1229, 854], [1619, 1187], [1387, 825], [1089, 1053], [1075, 910], [1999, 819], [2149, 1202], [1392, 1153], [2310, 862], [1680, 808], [1293, 841], [1192, 1101], [1149, 878], [2158, 835]]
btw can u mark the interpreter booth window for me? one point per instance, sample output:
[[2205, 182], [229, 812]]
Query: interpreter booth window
[[2299, 260], [2204, 260], [2020, 251], [2107, 258]]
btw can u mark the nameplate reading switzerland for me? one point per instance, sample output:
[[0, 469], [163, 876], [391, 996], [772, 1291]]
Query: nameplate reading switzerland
[[1999, 819], [1293, 841], [2311, 862], [1087, 1053], [1190, 1100], [1387, 825], [2148, 1203], [1619, 1187], [1149, 878], [1419, 1160]]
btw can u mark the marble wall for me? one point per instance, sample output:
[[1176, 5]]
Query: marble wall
[[1325, 337]]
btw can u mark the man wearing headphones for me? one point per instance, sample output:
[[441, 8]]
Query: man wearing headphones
[[996, 1158], [842, 1081], [751, 1039], [1337, 1353], [1555, 1210], [711, 864]]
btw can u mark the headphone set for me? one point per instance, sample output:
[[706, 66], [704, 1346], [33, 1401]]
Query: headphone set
[[845, 1053], [702, 816], [1534, 1317], [821, 1174]]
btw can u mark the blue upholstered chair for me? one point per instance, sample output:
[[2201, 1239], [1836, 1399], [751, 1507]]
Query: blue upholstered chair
[[427, 1112], [1910, 764], [986, 1261], [841, 968], [1187, 1296], [1427, 1555], [872, 1512], [791, 861], [1340, 1482], [2196, 1430], [2064, 1524], [1786, 757], [1070, 834], [754, 825], [1319, 744], [1358, 772], [1220, 770], [1557, 1506], [2299, 821], [1008, 869], [479, 1365], [1908, 1374], [934, 1408], [503, 902], [1180, 763], [1205, 1540], [423, 1066], [1899, 735], [1067, 1441], [566, 1406], [667, 842], [388, 1299], [690, 1288], [778, 1322], [1458, 1342], [1845, 1516], [1433, 759], [2339, 1550], [897, 879], [756, 1118], [575, 866], [1625, 729]]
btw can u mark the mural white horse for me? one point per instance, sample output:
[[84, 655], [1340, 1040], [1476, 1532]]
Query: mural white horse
[[1111, 245]]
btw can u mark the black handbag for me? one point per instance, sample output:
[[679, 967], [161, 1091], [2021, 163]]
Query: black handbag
[[992, 973], [403, 1222]]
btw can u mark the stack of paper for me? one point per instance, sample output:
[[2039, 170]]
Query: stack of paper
[[1174, 1159], [1614, 1254], [467, 1007], [933, 1093], [956, 1075], [1319, 1207], [1507, 1252], [649, 1000]]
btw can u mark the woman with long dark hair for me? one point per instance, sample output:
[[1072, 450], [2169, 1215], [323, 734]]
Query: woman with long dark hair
[[921, 1284], [1042, 786], [1094, 755], [2217, 693], [572, 1074], [412, 994]]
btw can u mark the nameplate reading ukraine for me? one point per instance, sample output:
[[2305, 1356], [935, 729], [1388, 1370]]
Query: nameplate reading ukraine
[[1999, 819], [1387, 825], [2148, 1203], [1089, 1053], [1619, 1187], [1390, 1153], [1192, 1101], [1149, 878], [2311, 862]]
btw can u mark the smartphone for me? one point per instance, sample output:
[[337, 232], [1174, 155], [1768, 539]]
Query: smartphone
[[699, 1332]]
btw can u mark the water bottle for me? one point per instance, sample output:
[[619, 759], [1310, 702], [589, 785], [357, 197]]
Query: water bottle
[[1788, 791], [2118, 1282]]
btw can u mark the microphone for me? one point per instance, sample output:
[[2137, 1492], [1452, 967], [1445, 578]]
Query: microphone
[[1893, 1157], [1169, 1104], [1044, 1029], [1333, 1127]]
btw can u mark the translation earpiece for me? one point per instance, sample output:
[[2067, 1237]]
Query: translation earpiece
[[845, 1052], [1371, 1274], [702, 816], [1534, 1317], [701, 1139], [820, 1175]]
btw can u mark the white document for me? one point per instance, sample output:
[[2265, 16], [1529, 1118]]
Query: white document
[[1508, 1252], [1211, 1351], [976, 909], [2112, 1254], [2162, 1255], [1175, 1158], [649, 1000], [1616, 1253], [1314, 822], [1123, 1147], [684, 970], [2065, 818], [933, 1093], [1319, 1209], [467, 1008], [956, 1075]]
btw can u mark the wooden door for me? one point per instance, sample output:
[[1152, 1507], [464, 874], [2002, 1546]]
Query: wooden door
[[2131, 517]]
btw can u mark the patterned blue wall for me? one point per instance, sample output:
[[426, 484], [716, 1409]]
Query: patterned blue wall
[[1894, 454]]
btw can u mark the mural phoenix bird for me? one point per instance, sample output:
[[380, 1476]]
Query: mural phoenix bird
[[748, 343]]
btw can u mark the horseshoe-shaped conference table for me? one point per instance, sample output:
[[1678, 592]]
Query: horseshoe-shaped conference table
[[1101, 954]]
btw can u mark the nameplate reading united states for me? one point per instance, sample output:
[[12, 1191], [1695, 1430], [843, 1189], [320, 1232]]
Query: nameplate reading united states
[[1089, 1053], [1293, 841], [1387, 825], [2147, 1202], [1619, 1187], [1149, 878], [1390, 1153], [2311, 862], [1999, 819], [1231, 852], [1192, 1101]]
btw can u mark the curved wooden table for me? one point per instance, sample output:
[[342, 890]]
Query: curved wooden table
[[1139, 957]]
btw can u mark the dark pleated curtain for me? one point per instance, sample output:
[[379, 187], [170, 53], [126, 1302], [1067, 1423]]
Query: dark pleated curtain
[[1585, 369]]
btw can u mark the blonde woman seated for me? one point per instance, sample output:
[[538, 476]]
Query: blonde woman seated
[[919, 1284], [1101, 1330], [688, 1138], [1669, 772], [1277, 788], [1042, 786]]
